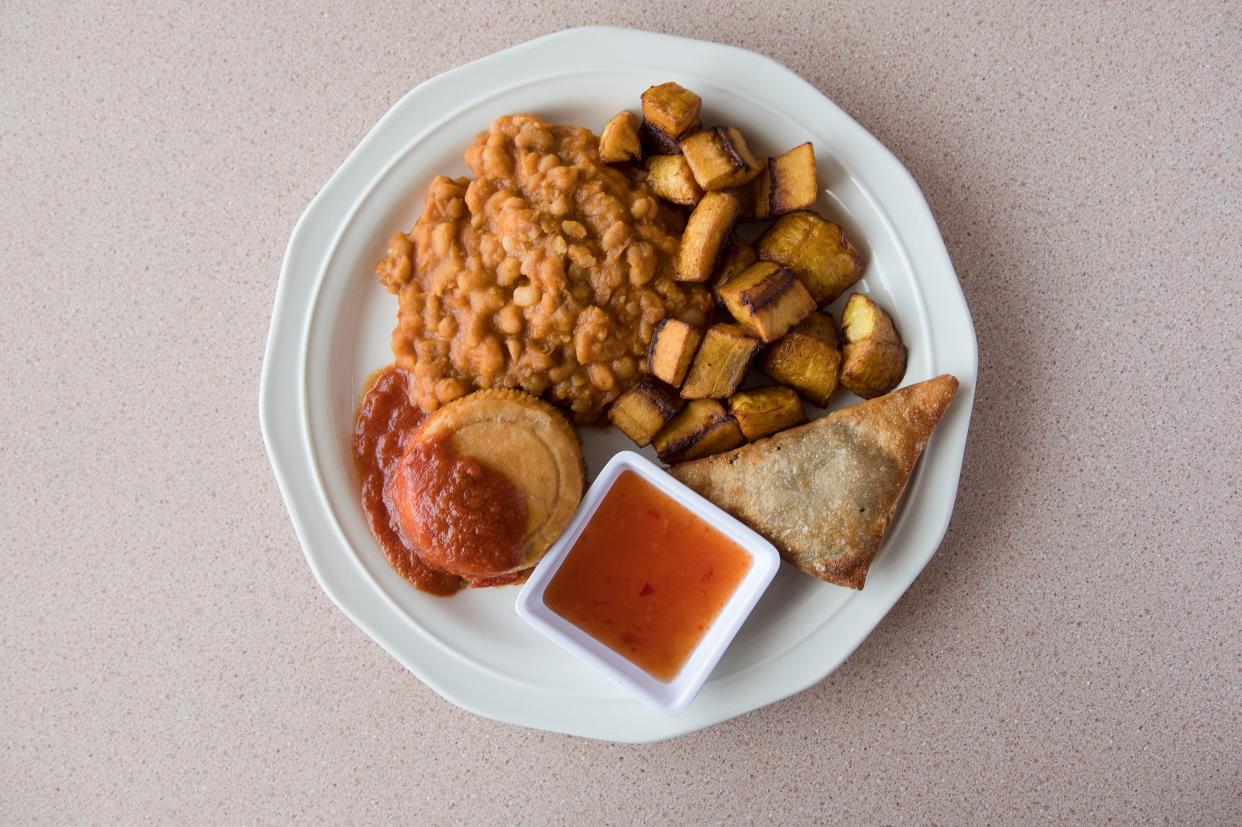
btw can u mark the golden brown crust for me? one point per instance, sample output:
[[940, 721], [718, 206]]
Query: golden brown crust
[[824, 493]]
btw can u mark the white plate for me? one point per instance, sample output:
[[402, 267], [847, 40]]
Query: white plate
[[331, 326]]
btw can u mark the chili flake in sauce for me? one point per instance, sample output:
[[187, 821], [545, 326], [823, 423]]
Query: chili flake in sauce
[[647, 577]]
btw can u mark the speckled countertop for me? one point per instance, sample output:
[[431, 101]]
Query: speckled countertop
[[1072, 652]]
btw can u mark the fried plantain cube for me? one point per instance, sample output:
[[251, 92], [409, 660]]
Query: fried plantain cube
[[874, 358], [720, 158], [761, 412], [720, 365], [760, 196], [723, 435], [669, 177], [619, 142], [746, 197], [787, 183], [671, 108], [871, 368], [656, 141], [737, 256], [816, 250], [702, 428], [644, 409], [864, 319], [672, 348], [767, 299], [706, 230], [807, 359]]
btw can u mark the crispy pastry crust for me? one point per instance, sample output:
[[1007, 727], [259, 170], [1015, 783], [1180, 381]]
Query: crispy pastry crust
[[824, 493]]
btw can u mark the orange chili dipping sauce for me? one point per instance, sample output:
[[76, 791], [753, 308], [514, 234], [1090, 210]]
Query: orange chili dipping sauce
[[383, 427], [646, 577]]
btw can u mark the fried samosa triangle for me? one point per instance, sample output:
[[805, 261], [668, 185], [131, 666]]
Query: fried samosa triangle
[[823, 493]]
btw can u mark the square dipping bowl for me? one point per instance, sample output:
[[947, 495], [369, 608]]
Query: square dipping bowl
[[673, 696]]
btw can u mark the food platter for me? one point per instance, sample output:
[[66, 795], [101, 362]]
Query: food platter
[[331, 326]]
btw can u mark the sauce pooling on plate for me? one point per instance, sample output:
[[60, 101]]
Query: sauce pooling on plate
[[385, 422], [646, 577]]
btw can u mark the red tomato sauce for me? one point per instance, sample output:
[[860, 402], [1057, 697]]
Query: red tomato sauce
[[383, 426], [647, 577], [463, 517]]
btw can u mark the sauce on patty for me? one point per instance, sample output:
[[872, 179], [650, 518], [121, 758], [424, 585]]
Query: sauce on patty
[[463, 517], [384, 427]]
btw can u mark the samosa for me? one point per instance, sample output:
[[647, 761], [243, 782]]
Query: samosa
[[823, 493]]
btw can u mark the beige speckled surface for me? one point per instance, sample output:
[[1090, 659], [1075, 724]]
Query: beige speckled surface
[[1073, 652]]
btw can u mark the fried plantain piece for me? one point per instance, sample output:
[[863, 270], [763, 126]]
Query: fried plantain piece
[[746, 197], [656, 141], [706, 230], [644, 409], [816, 250], [760, 196], [807, 358], [720, 158], [618, 142], [767, 299], [870, 368], [671, 350], [737, 256], [702, 428], [761, 412], [864, 319], [671, 108], [669, 177], [720, 365], [787, 183], [874, 358]]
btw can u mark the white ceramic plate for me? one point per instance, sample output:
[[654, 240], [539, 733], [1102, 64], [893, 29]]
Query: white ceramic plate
[[331, 325]]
